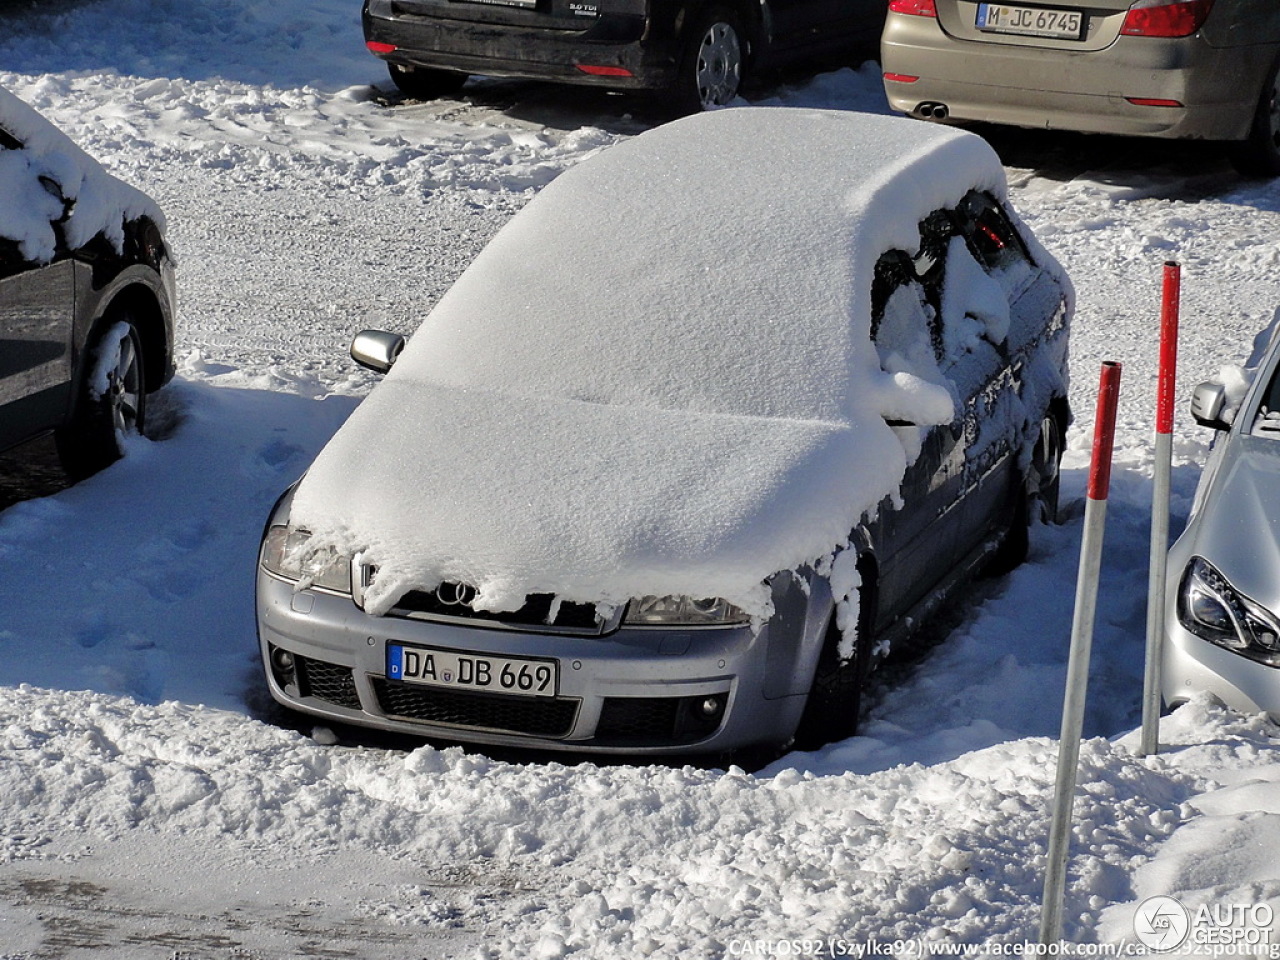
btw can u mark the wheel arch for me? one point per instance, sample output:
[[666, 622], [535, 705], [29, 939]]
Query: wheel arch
[[140, 305], [755, 18]]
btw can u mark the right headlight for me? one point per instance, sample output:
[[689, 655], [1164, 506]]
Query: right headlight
[[1212, 609], [286, 552], [681, 612]]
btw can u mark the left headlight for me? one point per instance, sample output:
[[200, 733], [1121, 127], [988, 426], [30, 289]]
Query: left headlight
[[1213, 610], [681, 612], [287, 552]]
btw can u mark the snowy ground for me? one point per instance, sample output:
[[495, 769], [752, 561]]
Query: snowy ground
[[148, 811]]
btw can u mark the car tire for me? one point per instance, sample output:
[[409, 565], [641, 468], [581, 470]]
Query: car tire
[[714, 61], [425, 83], [111, 403], [834, 704], [1036, 500], [1259, 155]]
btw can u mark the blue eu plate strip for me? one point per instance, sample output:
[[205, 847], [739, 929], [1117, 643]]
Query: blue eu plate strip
[[395, 663]]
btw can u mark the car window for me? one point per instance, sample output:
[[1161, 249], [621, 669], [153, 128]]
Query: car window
[[904, 323]]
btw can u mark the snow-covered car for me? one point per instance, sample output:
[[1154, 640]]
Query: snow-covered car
[[1222, 623], [671, 465], [86, 296]]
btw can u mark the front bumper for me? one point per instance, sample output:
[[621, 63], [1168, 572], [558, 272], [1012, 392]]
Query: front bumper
[[527, 47], [1089, 91], [1192, 665], [635, 691]]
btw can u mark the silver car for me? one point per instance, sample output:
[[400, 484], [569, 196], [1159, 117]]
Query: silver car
[[1193, 69], [1223, 617], [671, 466]]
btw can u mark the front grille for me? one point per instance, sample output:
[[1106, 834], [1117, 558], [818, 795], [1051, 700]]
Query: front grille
[[536, 612], [327, 681], [533, 716]]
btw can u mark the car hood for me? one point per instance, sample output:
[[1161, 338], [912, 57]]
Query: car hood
[[595, 503], [1238, 528]]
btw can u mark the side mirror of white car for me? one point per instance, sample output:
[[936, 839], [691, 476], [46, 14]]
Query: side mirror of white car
[[1208, 405], [376, 350]]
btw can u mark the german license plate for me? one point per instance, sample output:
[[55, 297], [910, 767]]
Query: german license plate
[[456, 670], [1031, 21]]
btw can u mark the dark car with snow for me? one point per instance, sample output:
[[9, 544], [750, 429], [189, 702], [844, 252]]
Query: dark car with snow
[[86, 296], [670, 468], [695, 53]]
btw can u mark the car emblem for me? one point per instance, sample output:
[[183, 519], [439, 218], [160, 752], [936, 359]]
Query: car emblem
[[450, 594]]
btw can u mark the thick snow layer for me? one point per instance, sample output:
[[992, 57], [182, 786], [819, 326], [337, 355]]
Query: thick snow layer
[[148, 811], [102, 203], [649, 384]]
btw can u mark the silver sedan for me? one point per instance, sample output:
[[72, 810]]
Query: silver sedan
[[1223, 631]]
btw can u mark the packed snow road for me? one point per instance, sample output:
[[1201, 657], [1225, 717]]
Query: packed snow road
[[150, 810]]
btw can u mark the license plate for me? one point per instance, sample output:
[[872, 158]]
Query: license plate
[[1031, 21], [456, 670]]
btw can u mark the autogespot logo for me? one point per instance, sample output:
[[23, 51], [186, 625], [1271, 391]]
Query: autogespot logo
[[1162, 923]]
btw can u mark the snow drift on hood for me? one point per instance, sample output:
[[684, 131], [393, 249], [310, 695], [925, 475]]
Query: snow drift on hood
[[103, 204], [658, 377]]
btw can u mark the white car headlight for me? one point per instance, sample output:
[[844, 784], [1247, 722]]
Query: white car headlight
[[681, 612], [286, 552], [1213, 610]]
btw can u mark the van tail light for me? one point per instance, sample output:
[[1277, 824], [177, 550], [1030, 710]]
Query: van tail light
[[914, 8], [1166, 18]]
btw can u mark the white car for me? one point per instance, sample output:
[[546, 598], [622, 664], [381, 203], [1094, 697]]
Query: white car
[[1223, 616], [720, 414]]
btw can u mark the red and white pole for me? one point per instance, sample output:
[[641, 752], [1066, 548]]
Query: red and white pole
[[1095, 516], [1165, 392]]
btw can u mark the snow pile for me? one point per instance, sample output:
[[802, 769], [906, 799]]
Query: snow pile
[[29, 208], [648, 384]]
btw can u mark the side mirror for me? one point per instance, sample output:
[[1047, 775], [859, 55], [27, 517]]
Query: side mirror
[[376, 350], [54, 189], [1208, 403]]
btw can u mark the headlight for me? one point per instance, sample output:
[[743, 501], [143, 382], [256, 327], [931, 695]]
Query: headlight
[[681, 612], [286, 553], [1210, 607]]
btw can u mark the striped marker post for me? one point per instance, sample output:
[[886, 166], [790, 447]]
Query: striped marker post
[[1095, 516], [1165, 390]]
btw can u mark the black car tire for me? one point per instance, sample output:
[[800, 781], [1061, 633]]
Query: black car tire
[[1259, 155], [831, 712], [95, 437], [425, 83], [1036, 498], [713, 64]]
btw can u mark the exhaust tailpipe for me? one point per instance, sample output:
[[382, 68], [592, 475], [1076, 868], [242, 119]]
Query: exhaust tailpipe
[[929, 110]]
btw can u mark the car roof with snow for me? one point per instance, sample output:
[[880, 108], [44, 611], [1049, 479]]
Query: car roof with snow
[[658, 378], [667, 268]]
